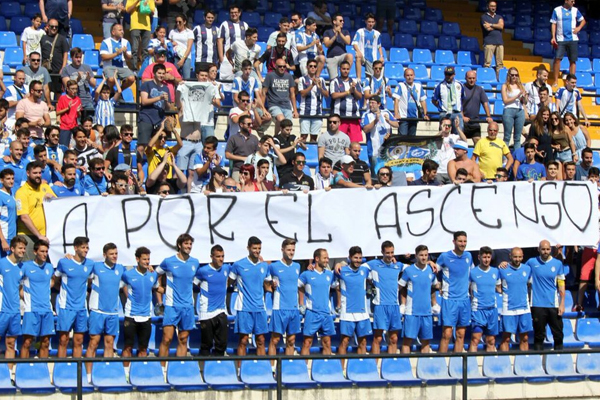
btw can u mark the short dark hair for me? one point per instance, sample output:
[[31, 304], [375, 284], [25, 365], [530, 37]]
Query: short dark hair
[[429, 165], [543, 89], [503, 170], [252, 240], [158, 67], [420, 248], [95, 161], [462, 171], [587, 150], [4, 104], [325, 160], [369, 16], [39, 244], [288, 242], [570, 76], [215, 248], [284, 20], [354, 250], [75, 51], [299, 155], [333, 115], [140, 251], [246, 63], [529, 146], [309, 21], [108, 246], [39, 148], [286, 123], [16, 240], [569, 164], [81, 240], [594, 171], [22, 132], [458, 234], [317, 253], [63, 169], [6, 172], [485, 250], [386, 245], [34, 164], [126, 127], [281, 35], [243, 92], [251, 31], [243, 118], [33, 83], [184, 237], [211, 140]]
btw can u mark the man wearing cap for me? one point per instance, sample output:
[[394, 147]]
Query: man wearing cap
[[171, 76], [475, 98], [462, 161], [410, 101], [446, 151], [492, 26], [448, 96], [333, 143], [343, 178], [377, 124], [490, 152]]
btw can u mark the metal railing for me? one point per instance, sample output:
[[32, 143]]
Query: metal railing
[[464, 356]]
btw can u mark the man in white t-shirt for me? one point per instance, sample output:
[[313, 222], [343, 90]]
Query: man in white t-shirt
[[267, 151], [195, 101], [14, 93], [246, 49], [446, 151], [31, 37]]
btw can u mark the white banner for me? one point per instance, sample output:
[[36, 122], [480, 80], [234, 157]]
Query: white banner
[[496, 215]]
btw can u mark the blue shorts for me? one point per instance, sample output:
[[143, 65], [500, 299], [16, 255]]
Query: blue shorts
[[103, 323], [456, 313], [317, 322], [247, 322], [285, 321], [38, 324], [10, 324], [418, 326], [517, 323], [181, 317], [487, 320], [72, 319], [387, 318], [288, 113], [361, 328], [570, 48]]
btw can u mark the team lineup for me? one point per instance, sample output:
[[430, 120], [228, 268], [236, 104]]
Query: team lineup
[[403, 298]]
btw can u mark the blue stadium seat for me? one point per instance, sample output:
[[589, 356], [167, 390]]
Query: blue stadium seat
[[413, 13], [3, 26], [437, 73], [474, 377], [272, 19], [540, 21], [294, 375], [8, 39], [585, 80], [282, 6], [523, 20], [542, 34], [364, 372], [561, 366], [32, 9], [13, 57], [198, 17], [33, 378], [76, 26], [147, 376], [564, 64], [451, 29], [460, 73], [500, 370], [404, 41], [444, 57], [446, 42], [589, 365], [261, 7], [588, 331], [257, 374], [509, 21], [583, 37], [595, 38], [84, 42], [434, 371], [466, 58], [426, 42], [583, 50], [401, 56], [486, 75], [422, 56], [127, 95], [433, 14], [222, 375], [329, 374], [251, 18], [19, 23], [543, 49], [408, 26], [347, 9], [386, 40], [311, 154], [569, 340], [596, 65], [530, 368], [92, 58], [524, 34], [394, 71], [263, 33], [109, 377], [430, 28], [6, 387], [421, 73], [398, 372], [64, 378], [583, 65], [468, 43], [10, 9]]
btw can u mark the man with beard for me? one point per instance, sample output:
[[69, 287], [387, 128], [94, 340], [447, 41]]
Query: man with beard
[[70, 186]]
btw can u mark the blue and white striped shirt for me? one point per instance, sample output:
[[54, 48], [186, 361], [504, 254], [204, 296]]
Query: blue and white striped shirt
[[346, 106], [312, 103], [206, 43], [566, 21], [369, 43]]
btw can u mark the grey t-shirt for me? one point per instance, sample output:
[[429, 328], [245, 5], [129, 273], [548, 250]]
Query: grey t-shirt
[[241, 145], [71, 72], [41, 75], [278, 89], [335, 145], [197, 100]]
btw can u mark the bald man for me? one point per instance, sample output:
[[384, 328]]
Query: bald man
[[515, 278], [547, 295], [490, 153], [475, 98]]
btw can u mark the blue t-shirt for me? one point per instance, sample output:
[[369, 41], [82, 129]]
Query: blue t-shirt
[[285, 296], [139, 292], [250, 279], [545, 277], [455, 274], [535, 171], [180, 276], [36, 286], [8, 215], [106, 282], [483, 288], [20, 174], [213, 290], [11, 275], [63, 191], [94, 188], [316, 290], [514, 289], [353, 286], [73, 288], [155, 112], [385, 279], [418, 284]]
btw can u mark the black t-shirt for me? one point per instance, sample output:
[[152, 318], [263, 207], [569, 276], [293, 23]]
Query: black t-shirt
[[294, 184], [60, 48], [284, 143], [113, 156], [358, 176]]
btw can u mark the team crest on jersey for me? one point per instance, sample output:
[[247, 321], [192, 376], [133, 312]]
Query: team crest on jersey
[[429, 276], [117, 273], [524, 273], [467, 260], [553, 269], [327, 279], [494, 276], [47, 272], [262, 270], [84, 269], [224, 273], [151, 279], [362, 273]]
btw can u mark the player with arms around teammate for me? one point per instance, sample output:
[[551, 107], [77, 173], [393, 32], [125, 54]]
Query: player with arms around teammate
[[72, 308], [484, 280], [250, 274], [418, 286], [286, 317], [456, 304], [315, 286]]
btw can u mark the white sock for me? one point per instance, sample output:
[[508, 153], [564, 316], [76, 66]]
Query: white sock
[[89, 378]]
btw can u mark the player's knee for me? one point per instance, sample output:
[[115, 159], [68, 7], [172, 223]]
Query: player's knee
[[260, 340], [243, 340], [290, 341], [63, 340]]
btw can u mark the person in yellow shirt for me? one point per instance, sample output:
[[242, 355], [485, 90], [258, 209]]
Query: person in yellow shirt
[[490, 152], [30, 210], [141, 28], [157, 148]]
